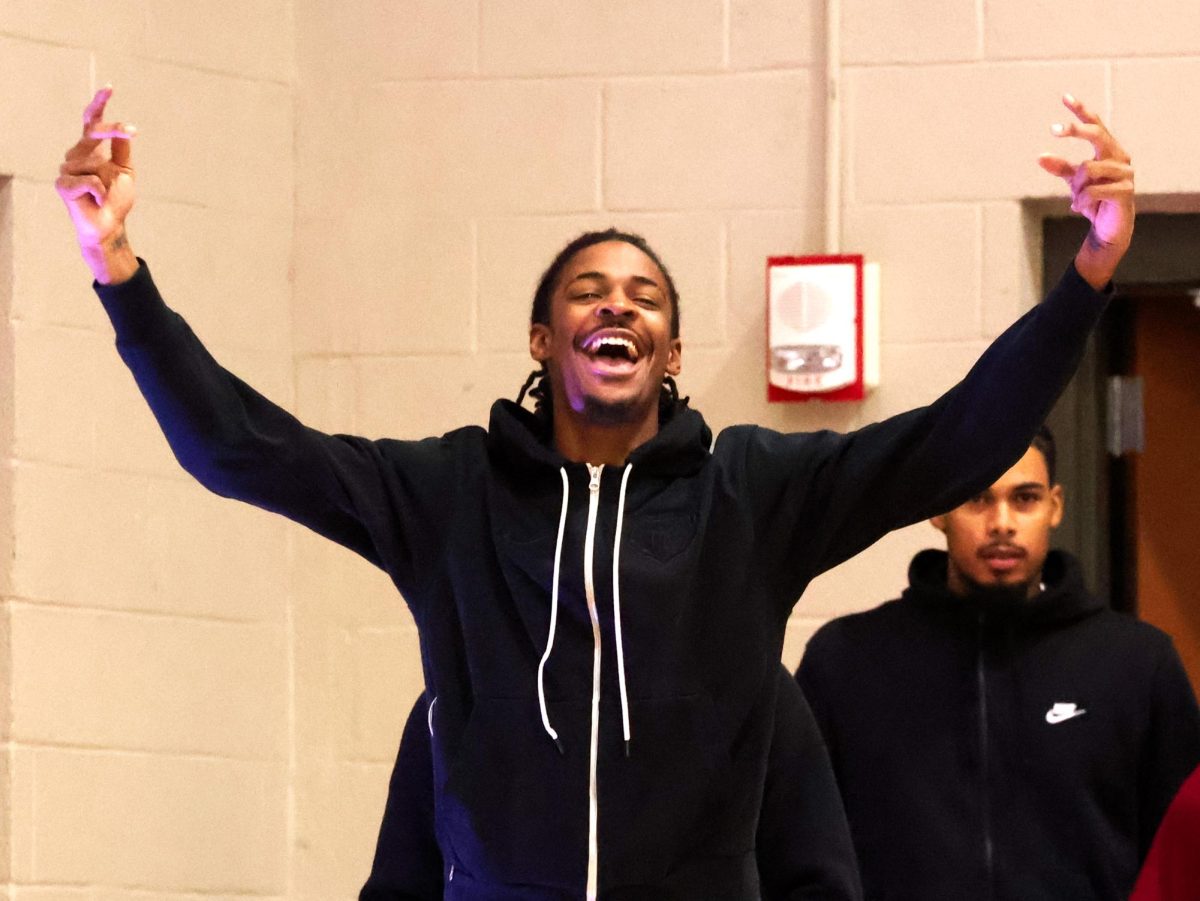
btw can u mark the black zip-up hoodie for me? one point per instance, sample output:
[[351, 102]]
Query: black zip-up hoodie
[[504, 552], [1001, 750], [803, 846]]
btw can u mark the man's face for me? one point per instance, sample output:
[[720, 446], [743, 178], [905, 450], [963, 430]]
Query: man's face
[[608, 344], [999, 539]]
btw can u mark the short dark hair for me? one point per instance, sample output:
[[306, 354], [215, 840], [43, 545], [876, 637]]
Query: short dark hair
[[540, 313], [1044, 442]]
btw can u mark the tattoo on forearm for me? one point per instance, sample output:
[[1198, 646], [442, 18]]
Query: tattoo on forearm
[[119, 241], [1094, 242]]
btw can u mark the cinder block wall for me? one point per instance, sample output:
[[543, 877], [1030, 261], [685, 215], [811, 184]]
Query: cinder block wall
[[145, 672], [351, 201]]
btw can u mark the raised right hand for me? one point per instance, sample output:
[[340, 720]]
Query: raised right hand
[[96, 182], [1101, 190]]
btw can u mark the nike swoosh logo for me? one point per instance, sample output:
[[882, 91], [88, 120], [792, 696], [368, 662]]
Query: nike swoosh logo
[[1060, 713]]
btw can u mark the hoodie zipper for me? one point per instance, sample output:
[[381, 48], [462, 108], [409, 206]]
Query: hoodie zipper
[[589, 589], [985, 796]]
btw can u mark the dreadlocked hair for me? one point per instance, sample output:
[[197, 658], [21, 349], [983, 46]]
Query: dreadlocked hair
[[538, 392]]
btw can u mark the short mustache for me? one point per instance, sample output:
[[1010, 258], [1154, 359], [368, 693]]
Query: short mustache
[[1002, 547]]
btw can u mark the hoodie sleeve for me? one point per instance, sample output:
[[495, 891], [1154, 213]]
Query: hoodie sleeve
[[822, 497], [804, 847], [812, 682], [408, 863], [1172, 746], [239, 444]]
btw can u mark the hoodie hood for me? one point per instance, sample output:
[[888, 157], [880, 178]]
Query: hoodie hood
[[522, 441], [1064, 599]]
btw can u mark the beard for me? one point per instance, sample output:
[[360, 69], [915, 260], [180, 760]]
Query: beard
[[999, 595], [610, 413]]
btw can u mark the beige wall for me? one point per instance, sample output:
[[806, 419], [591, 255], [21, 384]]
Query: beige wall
[[146, 667], [351, 201]]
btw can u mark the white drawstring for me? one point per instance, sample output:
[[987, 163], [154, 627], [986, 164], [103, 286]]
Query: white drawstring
[[429, 715], [616, 590], [562, 526]]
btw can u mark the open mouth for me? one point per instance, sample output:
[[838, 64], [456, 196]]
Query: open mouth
[[612, 350]]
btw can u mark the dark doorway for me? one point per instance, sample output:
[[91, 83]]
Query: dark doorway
[[1133, 517]]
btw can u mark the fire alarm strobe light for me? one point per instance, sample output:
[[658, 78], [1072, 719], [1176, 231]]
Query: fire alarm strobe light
[[820, 333]]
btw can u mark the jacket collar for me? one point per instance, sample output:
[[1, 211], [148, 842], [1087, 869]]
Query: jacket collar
[[1064, 598], [521, 441]]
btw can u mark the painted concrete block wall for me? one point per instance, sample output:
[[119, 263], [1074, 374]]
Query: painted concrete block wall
[[144, 624], [351, 201]]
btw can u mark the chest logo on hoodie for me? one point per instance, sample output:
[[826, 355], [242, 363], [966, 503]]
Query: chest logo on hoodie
[[1063, 711]]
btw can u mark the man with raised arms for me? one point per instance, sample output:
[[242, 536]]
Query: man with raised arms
[[601, 589]]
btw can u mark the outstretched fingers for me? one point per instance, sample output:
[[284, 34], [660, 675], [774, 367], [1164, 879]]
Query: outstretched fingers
[[95, 108], [1090, 128], [116, 130], [1057, 166], [1082, 113], [92, 114], [96, 130]]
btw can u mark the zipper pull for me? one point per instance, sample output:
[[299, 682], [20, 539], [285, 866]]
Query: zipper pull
[[594, 472]]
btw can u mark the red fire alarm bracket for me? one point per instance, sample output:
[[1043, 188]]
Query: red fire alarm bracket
[[821, 334]]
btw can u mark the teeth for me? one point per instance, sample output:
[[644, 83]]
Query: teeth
[[613, 341]]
